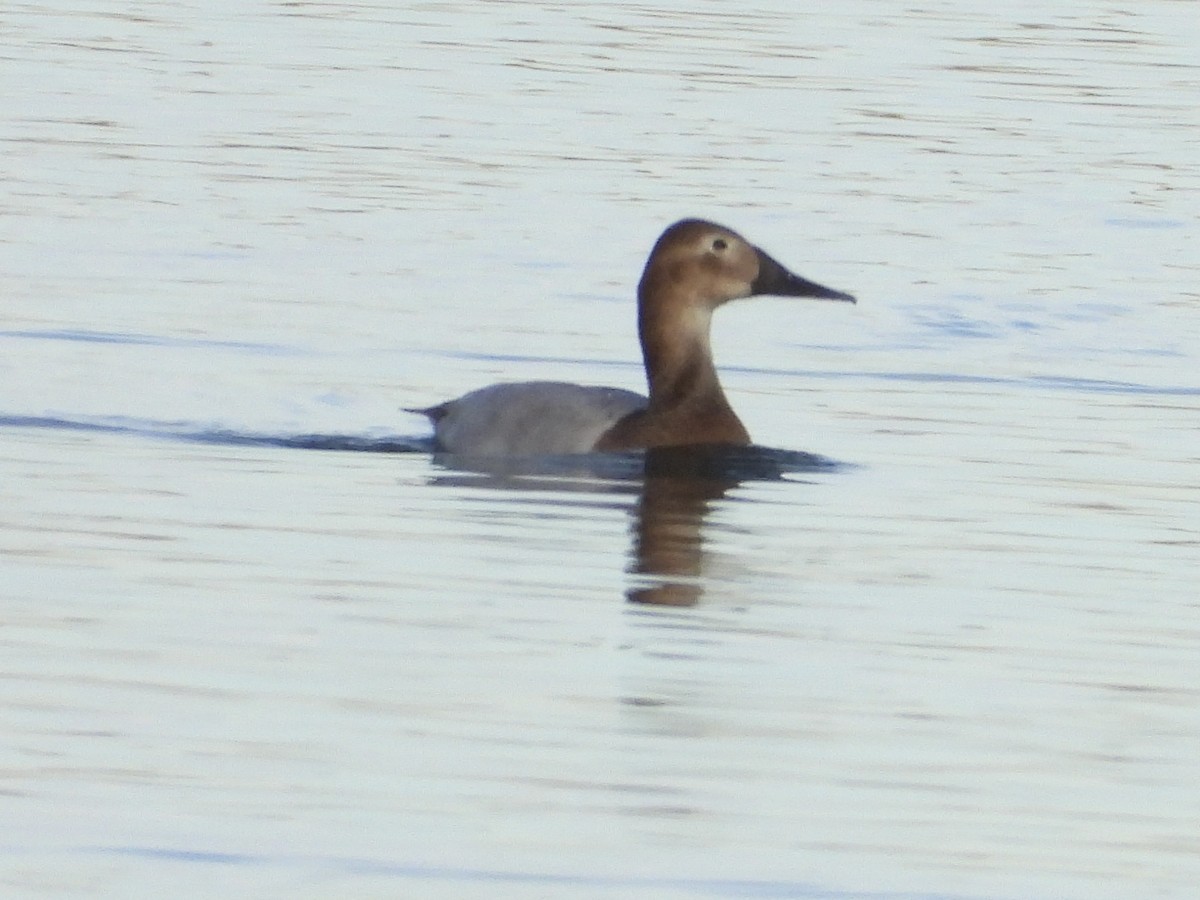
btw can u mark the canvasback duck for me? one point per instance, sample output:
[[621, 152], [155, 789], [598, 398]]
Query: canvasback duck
[[695, 267]]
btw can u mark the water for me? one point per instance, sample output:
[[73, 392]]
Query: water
[[255, 645]]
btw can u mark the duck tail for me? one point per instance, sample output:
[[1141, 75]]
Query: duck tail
[[434, 413]]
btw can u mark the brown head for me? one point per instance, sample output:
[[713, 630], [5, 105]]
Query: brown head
[[710, 264], [695, 267]]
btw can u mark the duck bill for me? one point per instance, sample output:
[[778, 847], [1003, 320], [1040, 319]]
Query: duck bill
[[773, 278]]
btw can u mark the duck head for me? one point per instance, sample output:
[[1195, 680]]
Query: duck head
[[705, 265]]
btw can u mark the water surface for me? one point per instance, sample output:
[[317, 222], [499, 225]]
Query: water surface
[[256, 640]]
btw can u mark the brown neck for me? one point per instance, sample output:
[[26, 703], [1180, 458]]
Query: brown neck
[[687, 404], [677, 354]]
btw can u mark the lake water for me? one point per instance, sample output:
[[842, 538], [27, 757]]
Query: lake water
[[961, 661]]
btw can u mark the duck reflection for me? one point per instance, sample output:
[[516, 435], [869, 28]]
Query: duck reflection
[[676, 487], [678, 491]]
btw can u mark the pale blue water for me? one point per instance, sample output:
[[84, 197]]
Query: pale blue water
[[257, 642]]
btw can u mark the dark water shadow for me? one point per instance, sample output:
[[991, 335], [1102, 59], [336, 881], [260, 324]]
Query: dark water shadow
[[424, 877], [698, 461], [135, 339], [195, 434]]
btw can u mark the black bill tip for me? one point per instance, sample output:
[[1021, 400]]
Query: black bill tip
[[774, 279]]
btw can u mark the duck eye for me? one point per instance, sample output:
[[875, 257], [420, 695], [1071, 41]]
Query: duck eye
[[719, 244]]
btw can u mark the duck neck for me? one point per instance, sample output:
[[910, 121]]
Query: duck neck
[[678, 354]]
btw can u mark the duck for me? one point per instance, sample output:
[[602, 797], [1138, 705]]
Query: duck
[[694, 267]]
